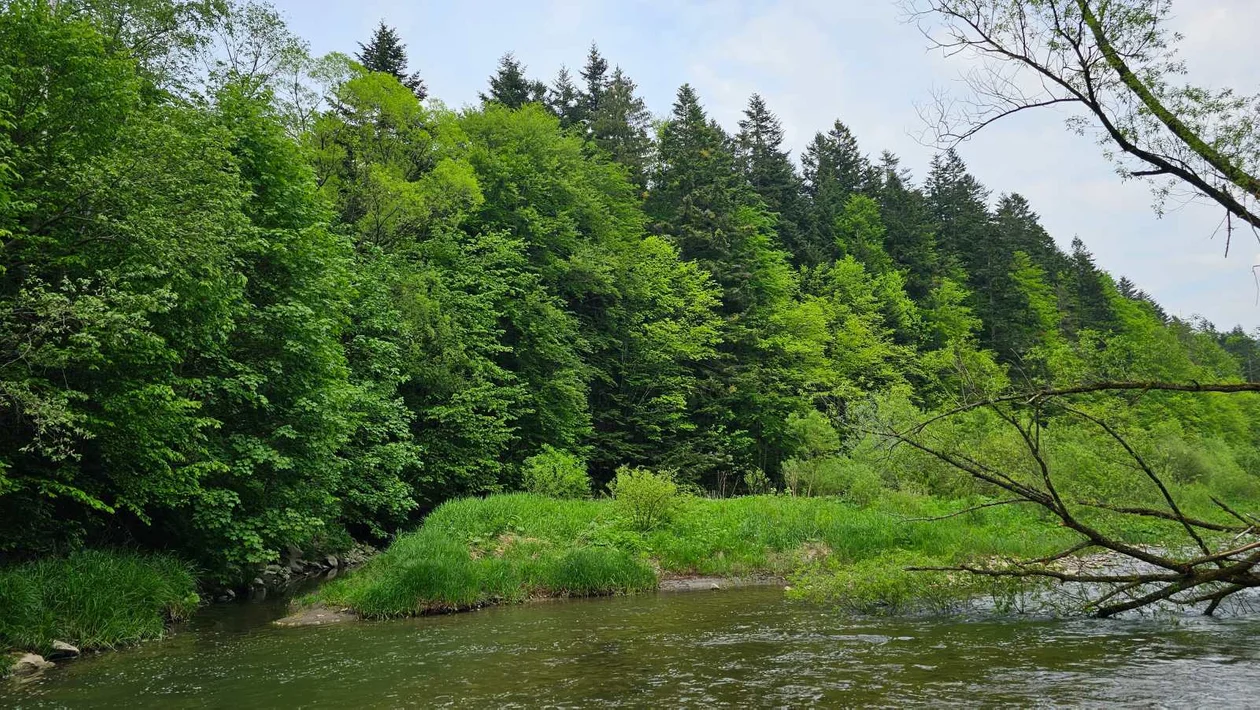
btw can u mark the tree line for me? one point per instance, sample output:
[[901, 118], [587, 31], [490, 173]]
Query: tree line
[[254, 299]]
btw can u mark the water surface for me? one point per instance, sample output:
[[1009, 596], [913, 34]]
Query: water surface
[[745, 647]]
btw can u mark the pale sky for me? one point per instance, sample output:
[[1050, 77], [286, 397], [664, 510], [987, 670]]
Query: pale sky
[[818, 60]]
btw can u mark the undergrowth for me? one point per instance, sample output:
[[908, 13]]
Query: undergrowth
[[508, 548]]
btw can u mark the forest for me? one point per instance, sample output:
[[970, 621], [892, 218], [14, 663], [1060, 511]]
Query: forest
[[255, 301]]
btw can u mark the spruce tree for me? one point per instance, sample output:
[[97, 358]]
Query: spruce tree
[[386, 53], [621, 126], [747, 391], [1020, 229], [564, 100], [909, 238], [769, 170], [1087, 303], [510, 87], [959, 205], [595, 74], [834, 169]]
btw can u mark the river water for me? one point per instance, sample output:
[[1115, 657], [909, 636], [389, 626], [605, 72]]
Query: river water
[[748, 648]]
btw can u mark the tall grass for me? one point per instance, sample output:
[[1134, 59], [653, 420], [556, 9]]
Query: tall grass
[[506, 548], [93, 599]]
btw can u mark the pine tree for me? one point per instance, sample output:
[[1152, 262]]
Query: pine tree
[[386, 53], [769, 170], [511, 88], [621, 126]]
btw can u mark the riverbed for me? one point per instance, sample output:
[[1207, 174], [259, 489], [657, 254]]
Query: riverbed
[[743, 647]]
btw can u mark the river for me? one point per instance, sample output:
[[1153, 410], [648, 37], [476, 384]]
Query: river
[[747, 647]]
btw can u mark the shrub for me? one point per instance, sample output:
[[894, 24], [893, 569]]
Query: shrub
[[556, 473], [644, 497], [93, 599], [854, 480]]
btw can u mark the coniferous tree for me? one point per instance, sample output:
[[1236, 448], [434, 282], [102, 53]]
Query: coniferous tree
[[621, 126], [510, 87], [834, 169], [909, 236], [1019, 229], [1087, 305], [700, 199], [959, 206], [769, 170], [595, 74], [1127, 288], [565, 101], [386, 53]]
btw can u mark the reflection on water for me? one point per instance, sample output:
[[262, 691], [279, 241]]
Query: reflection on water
[[745, 647]]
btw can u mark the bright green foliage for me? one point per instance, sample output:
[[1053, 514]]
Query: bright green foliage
[[93, 600], [556, 473], [472, 552], [860, 232], [646, 498], [285, 303]]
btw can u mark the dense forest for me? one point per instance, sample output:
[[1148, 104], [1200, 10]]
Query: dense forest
[[252, 299]]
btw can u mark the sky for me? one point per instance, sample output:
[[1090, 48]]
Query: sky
[[815, 61]]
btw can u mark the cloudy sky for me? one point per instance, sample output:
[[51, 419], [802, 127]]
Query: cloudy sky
[[818, 60]]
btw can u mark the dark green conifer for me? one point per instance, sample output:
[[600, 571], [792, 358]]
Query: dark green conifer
[[510, 87], [386, 53]]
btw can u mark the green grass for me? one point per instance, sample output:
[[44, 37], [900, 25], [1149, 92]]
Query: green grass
[[508, 548], [93, 599]]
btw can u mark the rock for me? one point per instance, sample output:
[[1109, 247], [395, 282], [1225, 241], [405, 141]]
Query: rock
[[61, 649], [332, 561], [257, 589], [316, 616], [29, 664], [296, 566]]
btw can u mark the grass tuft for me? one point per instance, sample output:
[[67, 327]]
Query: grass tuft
[[93, 599]]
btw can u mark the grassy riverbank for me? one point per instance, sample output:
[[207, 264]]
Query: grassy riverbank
[[508, 548], [93, 600]]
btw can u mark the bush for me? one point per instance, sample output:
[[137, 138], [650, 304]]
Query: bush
[[556, 473], [93, 599], [856, 481], [647, 499]]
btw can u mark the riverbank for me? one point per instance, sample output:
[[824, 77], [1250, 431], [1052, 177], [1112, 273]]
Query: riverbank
[[510, 548], [92, 600]]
